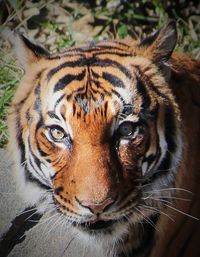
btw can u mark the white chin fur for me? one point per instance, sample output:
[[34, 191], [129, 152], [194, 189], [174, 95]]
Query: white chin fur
[[104, 244]]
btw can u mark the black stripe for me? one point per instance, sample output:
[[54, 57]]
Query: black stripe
[[165, 163], [146, 101], [78, 90], [59, 100], [112, 79], [71, 54], [53, 115], [105, 109], [95, 62], [37, 103], [149, 83], [20, 141], [37, 50], [98, 43], [21, 145], [32, 165], [147, 241], [107, 62], [158, 149], [149, 159], [74, 109], [156, 90], [119, 96], [28, 116], [17, 232], [30, 178], [98, 84], [37, 162], [170, 129], [78, 63], [170, 133], [121, 54], [40, 124], [67, 79]]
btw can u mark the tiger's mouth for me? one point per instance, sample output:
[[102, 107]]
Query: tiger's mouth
[[97, 225]]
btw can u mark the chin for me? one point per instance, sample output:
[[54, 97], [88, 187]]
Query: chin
[[103, 237]]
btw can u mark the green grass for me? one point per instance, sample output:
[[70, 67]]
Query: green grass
[[129, 18], [9, 79]]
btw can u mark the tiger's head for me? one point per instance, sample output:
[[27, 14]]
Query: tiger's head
[[96, 128]]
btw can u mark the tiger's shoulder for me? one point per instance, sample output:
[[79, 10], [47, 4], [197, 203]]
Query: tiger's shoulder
[[179, 240]]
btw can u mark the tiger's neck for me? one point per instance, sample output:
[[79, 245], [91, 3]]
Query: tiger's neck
[[140, 240]]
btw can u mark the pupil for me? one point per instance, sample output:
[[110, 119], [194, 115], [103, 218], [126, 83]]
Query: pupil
[[59, 133], [126, 130]]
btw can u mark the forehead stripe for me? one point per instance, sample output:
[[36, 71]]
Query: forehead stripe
[[67, 79], [115, 53], [95, 62], [112, 79]]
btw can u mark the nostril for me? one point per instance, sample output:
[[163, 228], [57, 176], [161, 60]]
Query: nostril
[[97, 208]]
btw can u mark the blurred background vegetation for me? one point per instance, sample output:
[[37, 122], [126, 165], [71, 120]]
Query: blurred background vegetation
[[57, 24]]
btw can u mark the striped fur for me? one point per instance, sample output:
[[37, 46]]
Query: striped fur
[[93, 94]]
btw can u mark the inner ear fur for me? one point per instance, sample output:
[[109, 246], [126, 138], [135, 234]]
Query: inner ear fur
[[159, 46], [26, 51]]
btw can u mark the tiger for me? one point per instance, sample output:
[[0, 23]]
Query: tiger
[[107, 133]]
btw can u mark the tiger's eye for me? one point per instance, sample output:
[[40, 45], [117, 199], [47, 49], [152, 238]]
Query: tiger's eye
[[126, 129], [57, 134]]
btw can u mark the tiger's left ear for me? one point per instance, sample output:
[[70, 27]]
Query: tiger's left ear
[[159, 46], [27, 52]]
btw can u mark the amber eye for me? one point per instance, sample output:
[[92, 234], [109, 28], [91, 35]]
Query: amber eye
[[57, 133], [127, 129]]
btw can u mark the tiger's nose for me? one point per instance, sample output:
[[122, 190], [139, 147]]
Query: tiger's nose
[[97, 208]]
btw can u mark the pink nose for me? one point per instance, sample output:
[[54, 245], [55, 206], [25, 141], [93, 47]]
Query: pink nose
[[99, 207]]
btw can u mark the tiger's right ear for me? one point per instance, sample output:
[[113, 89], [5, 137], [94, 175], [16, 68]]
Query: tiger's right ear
[[159, 46], [27, 52]]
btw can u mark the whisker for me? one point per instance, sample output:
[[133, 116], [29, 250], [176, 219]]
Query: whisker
[[44, 220], [50, 223], [175, 209], [172, 197], [68, 245], [56, 222], [28, 218], [148, 220], [157, 210], [158, 196], [29, 210], [170, 189]]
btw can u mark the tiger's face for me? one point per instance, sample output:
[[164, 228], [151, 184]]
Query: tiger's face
[[99, 127]]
